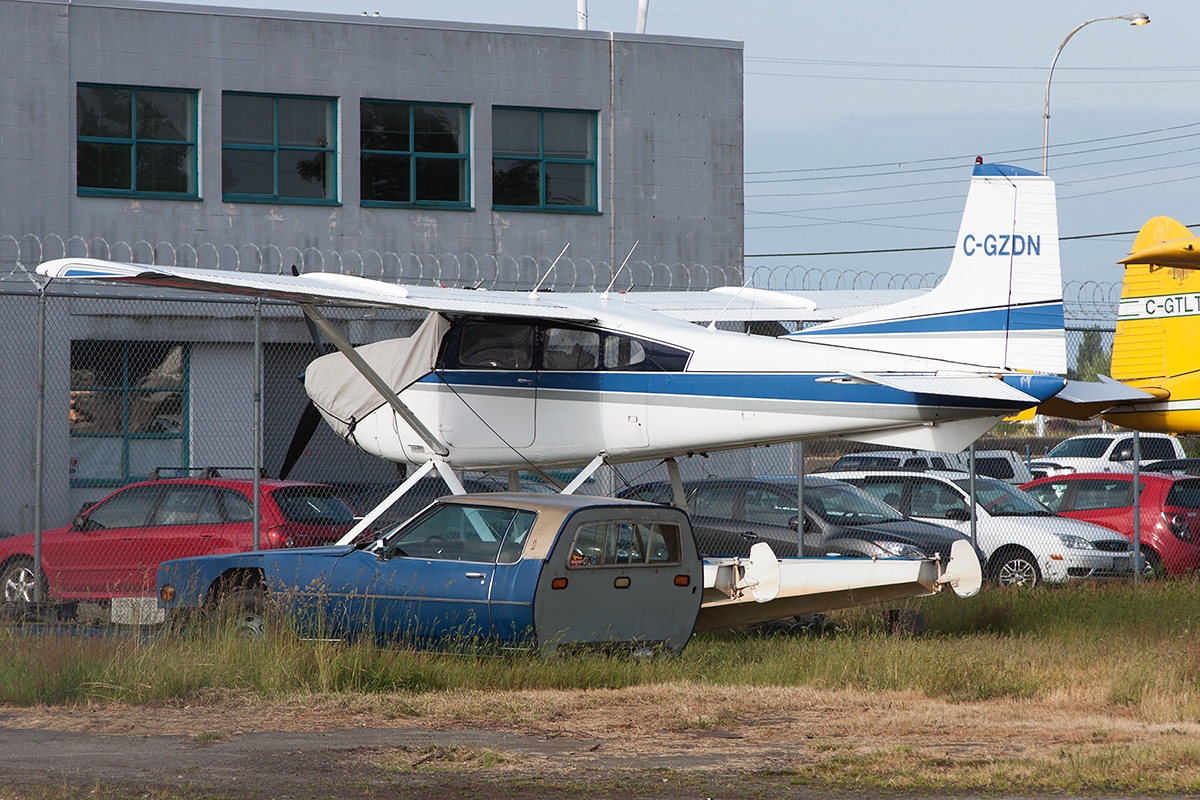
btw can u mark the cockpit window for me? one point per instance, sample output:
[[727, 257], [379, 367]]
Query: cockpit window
[[567, 349], [495, 345], [621, 352]]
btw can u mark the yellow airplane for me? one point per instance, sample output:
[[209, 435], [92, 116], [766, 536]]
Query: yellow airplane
[[1157, 344]]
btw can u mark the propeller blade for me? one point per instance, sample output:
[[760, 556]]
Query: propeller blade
[[305, 429]]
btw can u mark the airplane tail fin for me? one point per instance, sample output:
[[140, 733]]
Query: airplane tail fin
[[1000, 305], [1158, 322]]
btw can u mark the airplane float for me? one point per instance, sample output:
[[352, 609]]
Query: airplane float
[[534, 380]]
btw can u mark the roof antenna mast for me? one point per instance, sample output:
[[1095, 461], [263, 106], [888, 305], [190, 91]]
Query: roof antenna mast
[[604, 295], [534, 294]]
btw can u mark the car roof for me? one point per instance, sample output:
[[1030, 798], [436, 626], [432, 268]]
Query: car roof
[[552, 511]]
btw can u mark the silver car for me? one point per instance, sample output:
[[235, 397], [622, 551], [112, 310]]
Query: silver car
[[1025, 542]]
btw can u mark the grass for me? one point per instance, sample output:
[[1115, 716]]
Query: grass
[[1132, 644], [1130, 656]]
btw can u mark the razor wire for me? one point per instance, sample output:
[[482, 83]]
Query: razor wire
[[1086, 303]]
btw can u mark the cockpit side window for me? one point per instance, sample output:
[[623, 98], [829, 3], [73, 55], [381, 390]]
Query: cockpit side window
[[570, 349], [495, 345]]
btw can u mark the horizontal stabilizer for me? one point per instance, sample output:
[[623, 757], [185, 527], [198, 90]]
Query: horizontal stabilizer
[[1081, 400], [973, 386]]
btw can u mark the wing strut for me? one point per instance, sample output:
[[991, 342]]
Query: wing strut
[[385, 391], [584, 474]]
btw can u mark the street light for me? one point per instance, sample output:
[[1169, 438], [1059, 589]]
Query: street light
[[1132, 19]]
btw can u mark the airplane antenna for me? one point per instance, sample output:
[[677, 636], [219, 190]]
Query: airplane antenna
[[712, 326], [604, 294], [534, 294]]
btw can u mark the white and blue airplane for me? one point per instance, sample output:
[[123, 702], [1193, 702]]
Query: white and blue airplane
[[513, 380]]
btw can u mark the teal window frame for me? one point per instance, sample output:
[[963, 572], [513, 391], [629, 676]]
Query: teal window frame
[[125, 391], [133, 141], [415, 156], [592, 205], [275, 148]]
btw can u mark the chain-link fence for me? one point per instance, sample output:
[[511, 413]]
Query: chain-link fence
[[108, 386]]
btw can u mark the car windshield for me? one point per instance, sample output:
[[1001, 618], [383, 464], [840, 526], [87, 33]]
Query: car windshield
[[841, 504], [313, 505], [1001, 500], [1079, 448], [849, 463]]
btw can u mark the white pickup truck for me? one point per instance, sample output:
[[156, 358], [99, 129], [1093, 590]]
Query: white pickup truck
[[1104, 452]]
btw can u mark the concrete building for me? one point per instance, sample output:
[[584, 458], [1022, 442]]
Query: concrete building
[[263, 140]]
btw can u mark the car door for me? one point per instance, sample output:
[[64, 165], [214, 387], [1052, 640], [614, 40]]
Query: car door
[[1102, 501], [430, 581], [771, 516], [186, 522], [99, 558], [717, 520]]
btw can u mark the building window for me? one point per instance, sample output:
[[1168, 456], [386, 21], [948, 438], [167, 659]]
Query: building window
[[414, 155], [129, 410], [278, 149], [135, 141], [544, 160]]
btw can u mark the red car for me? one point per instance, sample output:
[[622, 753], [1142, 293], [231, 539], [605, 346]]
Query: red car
[[114, 547], [1170, 511]]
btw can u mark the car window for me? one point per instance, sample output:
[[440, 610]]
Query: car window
[[128, 509], [237, 506], [842, 504], [1050, 495], [568, 349], [454, 532], [889, 491], [1122, 450], [1157, 448], [1001, 500], [514, 539], [650, 493], [1095, 494], [625, 544], [713, 501], [1079, 448], [938, 462], [994, 467], [1184, 494], [188, 505], [769, 507], [313, 505], [933, 499]]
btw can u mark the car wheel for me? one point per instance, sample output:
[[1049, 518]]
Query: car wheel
[[244, 612], [19, 581], [1152, 565], [1015, 567]]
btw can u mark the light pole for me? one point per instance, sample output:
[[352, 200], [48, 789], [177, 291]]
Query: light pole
[[1132, 19]]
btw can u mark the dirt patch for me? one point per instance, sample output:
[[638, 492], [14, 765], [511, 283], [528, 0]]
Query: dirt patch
[[802, 737]]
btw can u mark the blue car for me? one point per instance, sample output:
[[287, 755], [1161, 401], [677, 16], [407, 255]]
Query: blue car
[[546, 571]]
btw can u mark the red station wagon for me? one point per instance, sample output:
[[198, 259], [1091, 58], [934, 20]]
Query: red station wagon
[[1170, 511], [114, 547]]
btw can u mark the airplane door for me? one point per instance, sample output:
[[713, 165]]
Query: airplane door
[[489, 396], [624, 401]]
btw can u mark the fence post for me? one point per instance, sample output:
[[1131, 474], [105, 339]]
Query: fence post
[[257, 421], [1137, 507], [800, 499], [39, 435]]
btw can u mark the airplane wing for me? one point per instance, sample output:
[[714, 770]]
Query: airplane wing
[[726, 303], [320, 288]]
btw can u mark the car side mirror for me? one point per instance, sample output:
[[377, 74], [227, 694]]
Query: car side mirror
[[794, 523], [958, 514], [80, 523]]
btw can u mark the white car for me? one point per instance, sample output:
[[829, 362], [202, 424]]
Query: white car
[[1104, 452], [1024, 541]]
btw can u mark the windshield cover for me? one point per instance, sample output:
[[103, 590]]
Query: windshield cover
[[1001, 500]]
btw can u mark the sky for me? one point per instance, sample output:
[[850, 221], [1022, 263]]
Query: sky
[[863, 118]]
